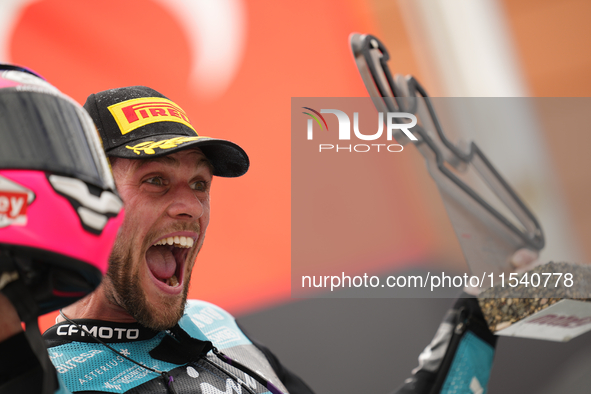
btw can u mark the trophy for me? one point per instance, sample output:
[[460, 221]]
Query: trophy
[[547, 302]]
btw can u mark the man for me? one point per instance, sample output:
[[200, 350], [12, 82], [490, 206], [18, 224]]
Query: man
[[136, 333], [163, 171]]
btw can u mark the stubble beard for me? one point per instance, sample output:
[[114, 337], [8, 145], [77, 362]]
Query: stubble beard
[[125, 290]]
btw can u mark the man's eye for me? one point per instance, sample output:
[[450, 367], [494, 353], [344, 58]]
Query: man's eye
[[157, 181], [199, 186]]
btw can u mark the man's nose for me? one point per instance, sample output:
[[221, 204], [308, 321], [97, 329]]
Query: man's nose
[[184, 203]]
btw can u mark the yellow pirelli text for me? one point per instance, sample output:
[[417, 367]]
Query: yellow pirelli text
[[139, 112]]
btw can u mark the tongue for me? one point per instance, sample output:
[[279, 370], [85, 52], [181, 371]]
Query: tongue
[[161, 261]]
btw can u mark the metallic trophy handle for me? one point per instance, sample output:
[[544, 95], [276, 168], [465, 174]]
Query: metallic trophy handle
[[487, 237]]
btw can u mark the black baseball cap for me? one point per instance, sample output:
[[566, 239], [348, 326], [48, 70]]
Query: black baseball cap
[[137, 122]]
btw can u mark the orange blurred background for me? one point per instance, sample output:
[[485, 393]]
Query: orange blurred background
[[235, 74], [234, 66]]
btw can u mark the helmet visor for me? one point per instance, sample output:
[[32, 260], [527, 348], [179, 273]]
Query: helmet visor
[[47, 131]]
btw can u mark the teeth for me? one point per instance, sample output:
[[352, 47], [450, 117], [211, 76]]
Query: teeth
[[172, 281], [177, 241]]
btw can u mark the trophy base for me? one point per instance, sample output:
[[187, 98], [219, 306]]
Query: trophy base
[[550, 302]]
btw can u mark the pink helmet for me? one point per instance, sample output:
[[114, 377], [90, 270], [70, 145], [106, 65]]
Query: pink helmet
[[59, 211]]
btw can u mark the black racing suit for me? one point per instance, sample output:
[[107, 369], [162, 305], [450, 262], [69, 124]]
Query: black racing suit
[[458, 360]]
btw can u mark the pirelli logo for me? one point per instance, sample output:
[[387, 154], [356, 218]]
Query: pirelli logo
[[135, 113]]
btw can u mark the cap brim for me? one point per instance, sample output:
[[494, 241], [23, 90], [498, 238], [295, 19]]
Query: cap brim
[[228, 159]]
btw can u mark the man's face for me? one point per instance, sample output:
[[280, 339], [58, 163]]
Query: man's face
[[166, 214]]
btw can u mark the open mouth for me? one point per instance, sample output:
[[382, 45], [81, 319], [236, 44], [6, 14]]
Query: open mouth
[[166, 259]]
